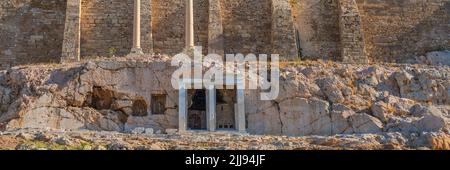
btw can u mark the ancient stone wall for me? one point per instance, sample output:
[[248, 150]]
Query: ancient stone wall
[[351, 33], [31, 31], [72, 34], [247, 26], [397, 30], [283, 34], [201, 19], [106, 27], [215, 28], [317, 23], [35, 31], [146, 26], [168, 26]]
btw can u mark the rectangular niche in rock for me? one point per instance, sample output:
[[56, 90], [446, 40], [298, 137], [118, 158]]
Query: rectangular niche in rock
[[158, 104], [225, 110]]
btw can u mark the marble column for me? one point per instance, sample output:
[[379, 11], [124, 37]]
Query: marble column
[[182, 112], [211, 109], [240, 111], [189, 24], [137, 50]]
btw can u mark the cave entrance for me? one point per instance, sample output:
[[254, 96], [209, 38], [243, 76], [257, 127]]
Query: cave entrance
[[197, 110]]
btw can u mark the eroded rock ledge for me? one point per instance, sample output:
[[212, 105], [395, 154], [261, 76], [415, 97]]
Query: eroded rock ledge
[[316, 98], [32, 139]]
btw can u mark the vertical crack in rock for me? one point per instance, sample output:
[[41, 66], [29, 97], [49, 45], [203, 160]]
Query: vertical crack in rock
[[279, 115]]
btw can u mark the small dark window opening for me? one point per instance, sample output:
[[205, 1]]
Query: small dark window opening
[[102, 98], [199, 101], [158, 104], [139, 108]]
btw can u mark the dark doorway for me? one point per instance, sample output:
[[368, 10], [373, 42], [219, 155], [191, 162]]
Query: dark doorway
[[225, 101], [197, 110], [158, 104]]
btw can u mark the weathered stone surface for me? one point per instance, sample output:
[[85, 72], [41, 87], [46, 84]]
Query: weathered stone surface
[[342, 30], [315, 99], [394, 32], [265, 121], [351, 32], [440, 141], [340, 122], [364, 123], [31, 31], [302, 116], [331, 87], [381, 111], [89, 140], [426, 85], [438, 58], [432, 121]]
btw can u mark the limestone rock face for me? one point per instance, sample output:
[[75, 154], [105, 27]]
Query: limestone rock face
[[438, 57], [315, 99], [381, 111], [432, 120], [331, 86], [429, 85], [302, 116], [340, 122], [364, 123]]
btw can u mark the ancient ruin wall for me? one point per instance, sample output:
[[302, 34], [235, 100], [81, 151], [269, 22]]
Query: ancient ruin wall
[[106, 27], [31, 31], [201, 19], [351, 33], [168, 25], [168, 22], [317, 23], [283, 34], [72, 34], [247, 26], [397, 30]]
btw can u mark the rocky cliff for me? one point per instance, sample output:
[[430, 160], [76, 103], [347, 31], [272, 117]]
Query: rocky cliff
[[316, 98]]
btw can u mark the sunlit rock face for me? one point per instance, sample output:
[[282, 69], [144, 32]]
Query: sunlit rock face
[[123, 94]]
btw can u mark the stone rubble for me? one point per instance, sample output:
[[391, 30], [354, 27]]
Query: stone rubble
[[95, 140]]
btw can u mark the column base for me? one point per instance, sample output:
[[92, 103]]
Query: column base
[[189, 51], [70, 59], [136, 52]]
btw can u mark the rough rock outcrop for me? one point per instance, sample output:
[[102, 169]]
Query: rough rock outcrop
[[324, 99], [315, 98]]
